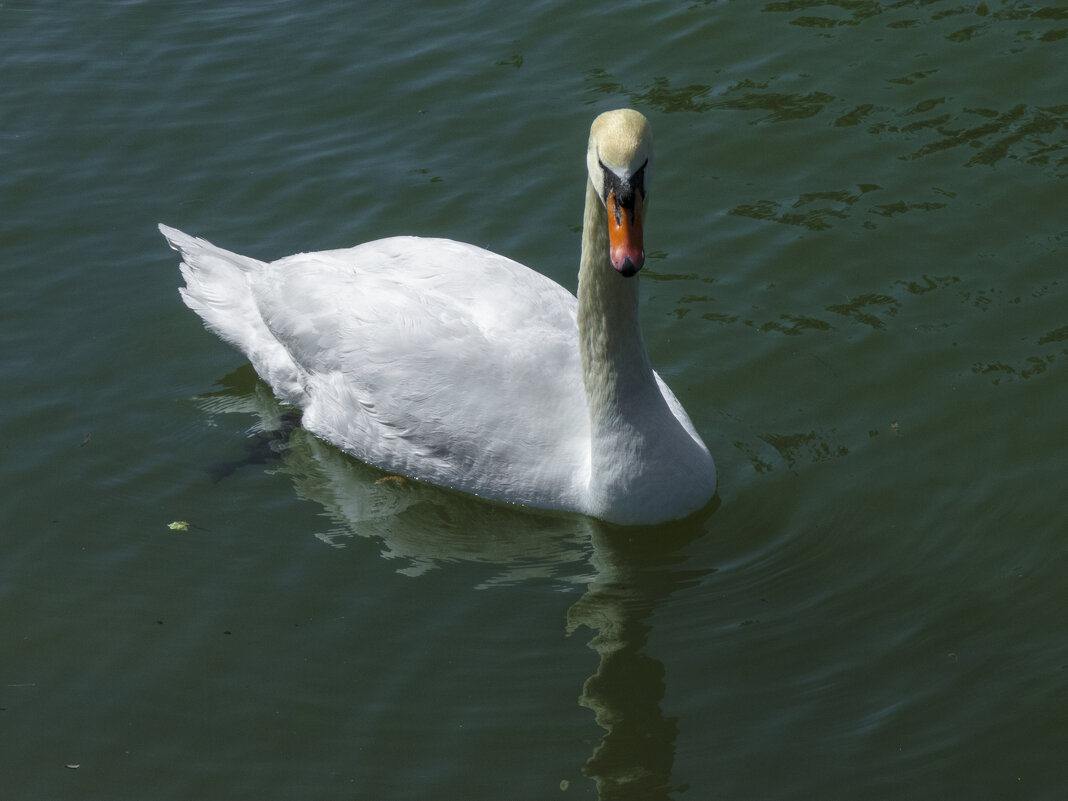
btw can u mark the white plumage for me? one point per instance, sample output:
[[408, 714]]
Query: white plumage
[[451, 364]]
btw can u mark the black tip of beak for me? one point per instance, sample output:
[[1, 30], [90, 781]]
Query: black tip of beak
[[628, 268]]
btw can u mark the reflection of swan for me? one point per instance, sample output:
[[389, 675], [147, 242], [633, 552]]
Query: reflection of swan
[[446, 362], [623, 575], [636, 755]]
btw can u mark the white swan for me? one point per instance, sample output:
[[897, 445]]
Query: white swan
[[445, 362]]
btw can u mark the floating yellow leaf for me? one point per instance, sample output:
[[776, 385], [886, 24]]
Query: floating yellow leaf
[[179, 525]]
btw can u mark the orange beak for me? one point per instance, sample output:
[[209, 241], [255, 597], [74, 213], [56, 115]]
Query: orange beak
[[625, 234]]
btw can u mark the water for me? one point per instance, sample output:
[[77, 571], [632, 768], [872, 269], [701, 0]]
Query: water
[[855, 286]]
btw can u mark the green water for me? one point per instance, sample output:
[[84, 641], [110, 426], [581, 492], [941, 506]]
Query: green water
[[855, 285]]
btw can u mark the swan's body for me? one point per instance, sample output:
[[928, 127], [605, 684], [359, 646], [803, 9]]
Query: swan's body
[[451, 364]]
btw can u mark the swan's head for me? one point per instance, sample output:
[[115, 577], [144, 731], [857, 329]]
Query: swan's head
[[620, 163]]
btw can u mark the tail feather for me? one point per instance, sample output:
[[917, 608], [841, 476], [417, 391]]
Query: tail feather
[[218, 288]]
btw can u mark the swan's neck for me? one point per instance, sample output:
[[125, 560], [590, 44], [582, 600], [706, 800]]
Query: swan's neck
[[621, 388], [615, 367], [646, 463]]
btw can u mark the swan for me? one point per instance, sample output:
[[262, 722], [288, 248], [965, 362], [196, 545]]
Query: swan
[[450, 364]]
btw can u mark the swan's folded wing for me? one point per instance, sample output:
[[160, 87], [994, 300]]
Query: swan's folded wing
[[437, 360]]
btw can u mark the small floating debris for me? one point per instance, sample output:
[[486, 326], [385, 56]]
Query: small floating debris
[[178, 525], [398, 480], [72, 766]]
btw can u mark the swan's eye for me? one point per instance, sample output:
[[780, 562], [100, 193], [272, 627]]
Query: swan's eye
[[637, 181], [608, 180]]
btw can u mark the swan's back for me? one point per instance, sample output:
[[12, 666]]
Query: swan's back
[[425, 357]]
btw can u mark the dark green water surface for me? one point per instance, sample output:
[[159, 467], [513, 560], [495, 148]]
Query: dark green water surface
[[856, 286]]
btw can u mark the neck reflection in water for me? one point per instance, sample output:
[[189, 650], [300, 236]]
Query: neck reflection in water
[[635, 573]]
